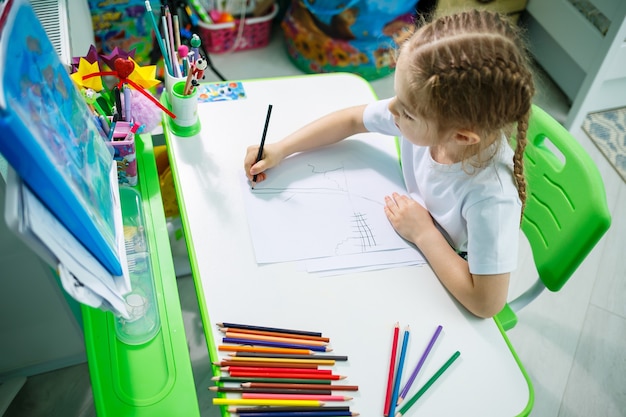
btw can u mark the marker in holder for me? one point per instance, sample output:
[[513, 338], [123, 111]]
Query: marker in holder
[[185, 107]]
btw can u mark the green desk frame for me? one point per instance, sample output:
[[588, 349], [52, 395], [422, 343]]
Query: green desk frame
[[153, 379]]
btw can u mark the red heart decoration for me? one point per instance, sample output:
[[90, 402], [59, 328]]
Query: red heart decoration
[[124, 67]]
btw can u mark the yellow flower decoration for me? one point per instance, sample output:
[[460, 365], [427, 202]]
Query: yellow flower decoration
[[85, 68], [144, 76]]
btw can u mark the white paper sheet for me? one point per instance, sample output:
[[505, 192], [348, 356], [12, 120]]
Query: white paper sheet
[[327, 203]]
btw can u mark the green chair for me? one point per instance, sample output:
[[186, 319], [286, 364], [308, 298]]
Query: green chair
[[566, 210]]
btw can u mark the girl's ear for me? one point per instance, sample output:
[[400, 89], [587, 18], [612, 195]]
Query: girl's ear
[[466, 137]]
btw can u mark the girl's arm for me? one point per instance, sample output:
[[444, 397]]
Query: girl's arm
[[327, 130], [483, 295]]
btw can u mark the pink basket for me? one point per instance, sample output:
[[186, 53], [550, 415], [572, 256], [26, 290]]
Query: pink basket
[[226, 37]]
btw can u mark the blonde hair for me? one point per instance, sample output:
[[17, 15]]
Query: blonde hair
[[471, 70]]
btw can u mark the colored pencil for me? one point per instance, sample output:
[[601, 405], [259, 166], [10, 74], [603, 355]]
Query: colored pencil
[[254, 410], [300, 413], [276, 334], [398, 378], [268, 329], [392, 366], [287, 355], [320, 397], [328, 377], [275, 380], [158, 37], [276, 370], [419, 365], [261, 401], [328, 362], [274, 344], [294, 341], [332, 387], [267, 364], [260, 153], [258, 349], [427, 385], [270, 390]]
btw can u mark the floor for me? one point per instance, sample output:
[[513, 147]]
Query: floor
[[572, 343]]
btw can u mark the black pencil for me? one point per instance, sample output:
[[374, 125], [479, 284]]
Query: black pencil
[[271, 329], [260, 154]]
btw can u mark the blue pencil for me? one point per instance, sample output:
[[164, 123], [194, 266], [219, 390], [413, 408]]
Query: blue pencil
[[157, 33], [396, 384], [274, 344]]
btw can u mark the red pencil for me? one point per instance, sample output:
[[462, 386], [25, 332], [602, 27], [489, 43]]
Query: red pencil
[[392, 366], [267, 364], [277, 370], [328, 377]]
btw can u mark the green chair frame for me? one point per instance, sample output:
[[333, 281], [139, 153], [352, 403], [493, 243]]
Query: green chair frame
[[566, 210]]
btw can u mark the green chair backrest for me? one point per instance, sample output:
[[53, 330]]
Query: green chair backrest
[[566, 209]]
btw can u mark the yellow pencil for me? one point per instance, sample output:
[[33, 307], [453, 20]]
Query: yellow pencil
[[283, 360], [261, 401]]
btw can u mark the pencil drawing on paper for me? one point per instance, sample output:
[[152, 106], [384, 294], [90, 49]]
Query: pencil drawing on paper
[[320, 204], [331, 186]]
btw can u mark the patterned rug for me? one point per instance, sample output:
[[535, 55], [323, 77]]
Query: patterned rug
[[607, 130]]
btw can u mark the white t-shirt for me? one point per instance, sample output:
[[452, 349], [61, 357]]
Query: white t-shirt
[[478, 209]]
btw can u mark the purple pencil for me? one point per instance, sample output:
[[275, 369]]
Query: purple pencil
[[419, 365]]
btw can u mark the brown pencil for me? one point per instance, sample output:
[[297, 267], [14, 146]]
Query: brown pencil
[[332, 387]]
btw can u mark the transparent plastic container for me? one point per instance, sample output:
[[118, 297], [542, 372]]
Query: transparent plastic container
[[144, 322]]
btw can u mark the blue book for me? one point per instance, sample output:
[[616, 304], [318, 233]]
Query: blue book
[[49, 137]]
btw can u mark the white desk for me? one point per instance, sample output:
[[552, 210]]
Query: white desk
[[356, 311]]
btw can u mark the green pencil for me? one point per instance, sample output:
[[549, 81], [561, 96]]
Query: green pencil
[[427, 385]]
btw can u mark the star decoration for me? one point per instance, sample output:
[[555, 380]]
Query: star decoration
[[109, 60], [85, 68], [91, 57], [144, 76]]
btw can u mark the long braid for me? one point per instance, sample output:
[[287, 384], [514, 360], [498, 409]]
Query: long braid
[[518, 159]]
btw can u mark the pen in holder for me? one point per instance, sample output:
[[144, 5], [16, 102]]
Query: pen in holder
[[185, 107]]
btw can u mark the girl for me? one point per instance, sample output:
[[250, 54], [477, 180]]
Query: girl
[[462, 82]]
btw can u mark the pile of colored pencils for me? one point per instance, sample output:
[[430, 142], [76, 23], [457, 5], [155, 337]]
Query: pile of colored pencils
[[277, 372], [394, 396]]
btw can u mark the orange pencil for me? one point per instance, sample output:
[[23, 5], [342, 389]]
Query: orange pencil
[[293, 341], [276, 334], [261, 349]]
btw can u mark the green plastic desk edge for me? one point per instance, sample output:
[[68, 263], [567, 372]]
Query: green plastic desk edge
[[212, 348], [99, 324], [531, 391], [193, 261]]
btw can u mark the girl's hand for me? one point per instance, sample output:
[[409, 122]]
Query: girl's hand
[[409, 218], [270, 158]]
